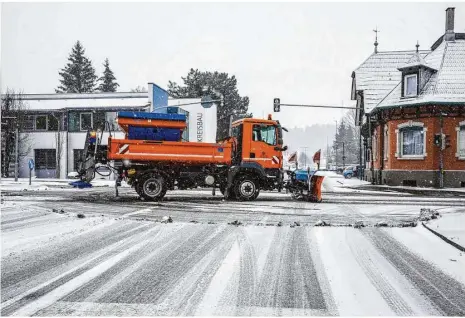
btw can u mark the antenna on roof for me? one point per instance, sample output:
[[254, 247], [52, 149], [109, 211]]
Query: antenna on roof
[[418, 45], [376, 39]]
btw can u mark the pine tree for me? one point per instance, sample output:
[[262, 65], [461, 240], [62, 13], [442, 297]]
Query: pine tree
[[234, 104], [78, 76], [108, 80]]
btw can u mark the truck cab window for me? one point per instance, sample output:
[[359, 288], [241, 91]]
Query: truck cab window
[[267, 134]]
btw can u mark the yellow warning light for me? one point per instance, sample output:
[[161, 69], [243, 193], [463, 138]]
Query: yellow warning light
[[269, 117]]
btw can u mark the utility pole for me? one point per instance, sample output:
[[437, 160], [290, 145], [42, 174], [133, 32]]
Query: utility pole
[[335, 144], [343, 156], [16, 152]]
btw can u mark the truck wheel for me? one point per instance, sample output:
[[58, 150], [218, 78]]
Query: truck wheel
[[246, 188], [152, 187]]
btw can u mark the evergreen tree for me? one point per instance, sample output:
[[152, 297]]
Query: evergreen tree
[[108, 80], [78, 76], [194, 84]]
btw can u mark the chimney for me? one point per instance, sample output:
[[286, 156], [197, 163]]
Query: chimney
[[449, 36]]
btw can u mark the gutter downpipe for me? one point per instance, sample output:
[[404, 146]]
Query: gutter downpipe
[[371, 150]]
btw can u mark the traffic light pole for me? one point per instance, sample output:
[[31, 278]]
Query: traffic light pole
[[316, 106]]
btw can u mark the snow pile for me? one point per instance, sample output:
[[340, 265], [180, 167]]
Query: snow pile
[[428, 214]]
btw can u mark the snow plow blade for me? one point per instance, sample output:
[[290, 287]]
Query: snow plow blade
[[305, 185], [315, 188]]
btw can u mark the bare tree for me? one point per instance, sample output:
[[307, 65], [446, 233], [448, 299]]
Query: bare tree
[[139, 89], [13, 117]]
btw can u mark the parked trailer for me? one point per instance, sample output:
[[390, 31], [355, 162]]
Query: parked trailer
[[153, 158]]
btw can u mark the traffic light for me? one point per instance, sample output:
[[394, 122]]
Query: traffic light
[[445, 141], [438, 140], [276, 105]]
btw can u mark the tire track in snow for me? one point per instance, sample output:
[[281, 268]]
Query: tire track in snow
[[43, 290], [49, 259], [168, 269], [364, 259], [247, 276], [289, 279], [442, 290]]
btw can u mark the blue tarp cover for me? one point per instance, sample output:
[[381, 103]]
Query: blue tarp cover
[[145, 115], [80, 184]]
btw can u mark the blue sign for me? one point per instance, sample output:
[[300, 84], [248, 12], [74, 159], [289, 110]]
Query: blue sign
[[31, 164]]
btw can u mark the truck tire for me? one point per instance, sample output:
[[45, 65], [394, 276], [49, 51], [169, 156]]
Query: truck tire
[[152, 187], [246, 188]]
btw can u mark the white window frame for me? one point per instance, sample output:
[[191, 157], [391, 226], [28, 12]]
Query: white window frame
[[399, 155], [457, 129], [46, 123], [386, 142], [91, 120], [405, 85]]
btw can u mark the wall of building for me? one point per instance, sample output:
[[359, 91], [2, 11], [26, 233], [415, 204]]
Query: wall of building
[[424, 170]]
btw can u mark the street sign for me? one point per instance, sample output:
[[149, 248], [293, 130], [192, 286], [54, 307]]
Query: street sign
[[276, 105], [206, 102], [31, 164]]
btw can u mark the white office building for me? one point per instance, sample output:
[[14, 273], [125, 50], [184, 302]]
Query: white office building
[[57, 124]]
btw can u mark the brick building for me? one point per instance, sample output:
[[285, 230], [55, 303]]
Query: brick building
[[411, 107]]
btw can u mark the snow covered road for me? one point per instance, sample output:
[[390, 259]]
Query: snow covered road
[[120, 260]]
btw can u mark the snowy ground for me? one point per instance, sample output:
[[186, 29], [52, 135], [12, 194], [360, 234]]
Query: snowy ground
[[122, 260]]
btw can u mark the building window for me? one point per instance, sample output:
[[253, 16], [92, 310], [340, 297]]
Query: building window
[[45, 158], [41, 122], [52, 123], [412, 142], [86, 121], [461, 140], [410, 85], [386, 143], [29, 123]]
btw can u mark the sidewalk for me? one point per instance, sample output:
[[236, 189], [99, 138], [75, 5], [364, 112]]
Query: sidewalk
[[450, 224]]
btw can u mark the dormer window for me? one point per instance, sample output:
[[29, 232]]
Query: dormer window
[[410, 85]]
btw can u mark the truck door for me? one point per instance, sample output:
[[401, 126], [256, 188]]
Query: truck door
[[264, 140]]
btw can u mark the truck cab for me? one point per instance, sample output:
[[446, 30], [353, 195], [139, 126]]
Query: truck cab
[[258, 153]]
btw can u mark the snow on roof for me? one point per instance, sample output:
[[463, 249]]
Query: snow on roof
[[415, 61], [50, 102], [447, 85], [379, 74]]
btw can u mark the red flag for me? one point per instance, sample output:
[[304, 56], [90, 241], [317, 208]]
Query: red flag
[[316, 156], [293, 157]]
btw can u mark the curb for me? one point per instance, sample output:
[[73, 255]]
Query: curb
[[445, 239], [429, 192]]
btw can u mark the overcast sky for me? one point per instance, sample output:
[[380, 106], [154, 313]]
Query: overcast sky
[[300, 52]]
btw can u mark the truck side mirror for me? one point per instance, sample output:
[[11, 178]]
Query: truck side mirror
[[280, 149]]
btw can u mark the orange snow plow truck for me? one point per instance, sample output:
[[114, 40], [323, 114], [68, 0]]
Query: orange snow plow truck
[[153, 158]]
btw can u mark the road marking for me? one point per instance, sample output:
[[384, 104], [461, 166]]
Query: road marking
[[72, 270], [75, 283]]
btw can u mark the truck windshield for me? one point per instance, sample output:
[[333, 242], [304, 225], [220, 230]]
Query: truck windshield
[[266, 134]]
